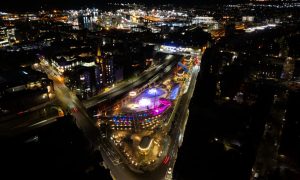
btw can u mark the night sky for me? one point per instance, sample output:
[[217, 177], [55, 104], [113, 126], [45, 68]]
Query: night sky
[[27, 5]]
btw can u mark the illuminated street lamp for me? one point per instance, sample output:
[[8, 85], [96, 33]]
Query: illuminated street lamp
[[132, 94]]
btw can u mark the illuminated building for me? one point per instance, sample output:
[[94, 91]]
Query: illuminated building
[[146, 110], [66, 63], [87, 18], [105, 64], [3, 39], [248, 18], [7, 36], [85, 22], [288, 68], [15, 83], [203, 20]]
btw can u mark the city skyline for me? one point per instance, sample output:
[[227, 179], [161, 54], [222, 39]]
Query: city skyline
[[68, 4], [127, 91]]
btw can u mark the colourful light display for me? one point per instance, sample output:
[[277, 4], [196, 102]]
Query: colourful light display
[[144, 102]]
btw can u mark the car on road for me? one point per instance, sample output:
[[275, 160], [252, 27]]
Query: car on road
[[103, 135], [33, 139]]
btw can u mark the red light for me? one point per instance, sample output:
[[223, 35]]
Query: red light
[[74, 110], [20, 113], [166, 160]]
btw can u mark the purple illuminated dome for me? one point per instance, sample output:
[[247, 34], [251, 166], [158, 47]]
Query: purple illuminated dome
[[144, 102], [153, 92]]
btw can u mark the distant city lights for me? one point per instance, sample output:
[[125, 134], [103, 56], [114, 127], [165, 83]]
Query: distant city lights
[[252, 29]]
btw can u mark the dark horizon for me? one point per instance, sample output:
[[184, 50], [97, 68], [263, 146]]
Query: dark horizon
[[32, 5]]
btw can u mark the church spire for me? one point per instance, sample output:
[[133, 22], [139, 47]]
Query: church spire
[[98, 51], [99, 58]]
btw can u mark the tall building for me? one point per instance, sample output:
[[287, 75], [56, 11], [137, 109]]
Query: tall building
[[87, 18], [288, 68], [85, 22], [105, 64]]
